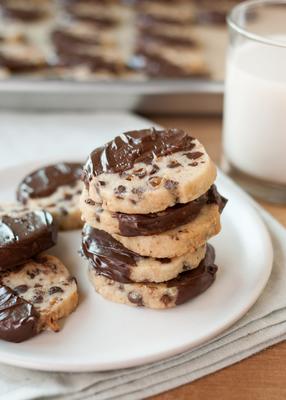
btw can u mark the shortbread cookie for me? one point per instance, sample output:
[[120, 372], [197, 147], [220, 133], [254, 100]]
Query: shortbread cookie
[[97, 58], [24, 233], [95, 13], [21, 57], [26, 11], [112, 260], [147, 224], [177, 241], [178, 13], [159, 295], [34, 297], [167, 34], [57, 189], [169, 61], [65, 38], [146, 171]]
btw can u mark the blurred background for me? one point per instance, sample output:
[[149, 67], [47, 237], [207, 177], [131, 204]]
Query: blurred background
[[144, 55]]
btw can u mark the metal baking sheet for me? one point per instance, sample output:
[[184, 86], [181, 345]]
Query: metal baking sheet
[[164, 96]]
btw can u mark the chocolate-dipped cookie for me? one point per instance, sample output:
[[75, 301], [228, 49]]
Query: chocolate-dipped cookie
[[146, 171], [34, 297], [114, 261], [20, 57], [159, 295], [55, 188], [23, 234]]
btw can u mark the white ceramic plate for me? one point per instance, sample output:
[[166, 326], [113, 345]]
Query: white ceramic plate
[[101, 335]]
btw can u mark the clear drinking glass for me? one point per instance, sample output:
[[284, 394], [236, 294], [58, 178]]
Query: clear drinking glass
[[254, 136]]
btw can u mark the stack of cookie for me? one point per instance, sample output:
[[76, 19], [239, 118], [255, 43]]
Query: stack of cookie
[[150, 205]]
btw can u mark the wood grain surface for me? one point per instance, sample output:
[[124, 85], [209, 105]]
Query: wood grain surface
[[260, 377]]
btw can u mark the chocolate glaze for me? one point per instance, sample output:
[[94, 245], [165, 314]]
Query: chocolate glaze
[[149, 19], [45, 181], [150, 37], [215, 17], [156, 65], [132, 147], [99, 20], [70, 56], [192, 283], [173, 217], [25, 236], [18, 318], [17, 65], [108, 256], [65, 42], [24, 15]]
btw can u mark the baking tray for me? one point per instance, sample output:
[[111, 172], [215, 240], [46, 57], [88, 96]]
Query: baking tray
[[152, 97]]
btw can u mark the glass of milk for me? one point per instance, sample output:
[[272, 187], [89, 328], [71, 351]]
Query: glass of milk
[[254, 139]]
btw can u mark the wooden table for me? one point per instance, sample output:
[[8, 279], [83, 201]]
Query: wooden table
[[260, 377]]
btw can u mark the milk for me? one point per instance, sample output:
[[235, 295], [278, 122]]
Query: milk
[[255, 111]]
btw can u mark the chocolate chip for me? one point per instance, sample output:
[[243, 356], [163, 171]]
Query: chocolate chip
[[170, 185], [133, 201], [68, 196], [21, 289], [97, 218], [135, 298], [164, 260], [128, 177], [64, 211], [90, 202], [155, 181], [119, 191], [166, 299], [193, 164], [173, 164], [141, 173], [55, 289], [33, 273], [138, 190], [154, 169], [38, 298], [102, 183], [194, 155]]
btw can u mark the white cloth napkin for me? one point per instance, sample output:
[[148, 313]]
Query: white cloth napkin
[[263, 326]]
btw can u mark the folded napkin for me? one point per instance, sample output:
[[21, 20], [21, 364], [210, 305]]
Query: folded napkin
[[263, 326]]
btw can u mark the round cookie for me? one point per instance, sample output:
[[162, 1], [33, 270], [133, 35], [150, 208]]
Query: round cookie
[[131, 225], [24, 233], [146, 171], [159, 295], [112, 260], [55, 188], [34, 297], [177, 241]]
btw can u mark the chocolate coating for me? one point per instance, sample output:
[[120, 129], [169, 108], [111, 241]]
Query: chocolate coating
[[18, 318], [173, 217], [45, 181], [156, 65], [65, 41], [108, 256], [24, 236], [149, 37], [194, 282], [132, 147]]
